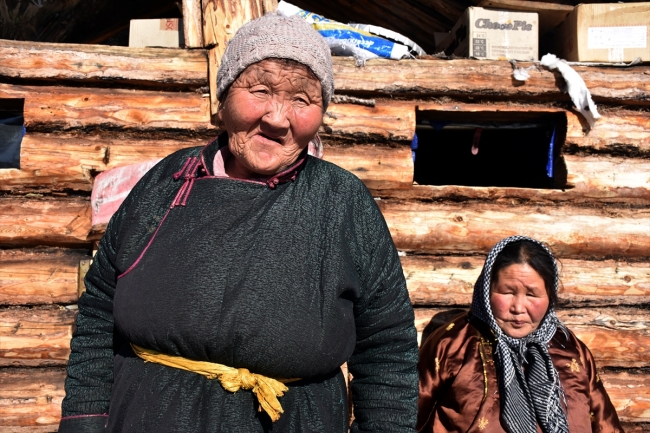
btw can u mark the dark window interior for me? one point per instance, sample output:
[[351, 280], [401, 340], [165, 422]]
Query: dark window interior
[[12, 131], [489, 149]]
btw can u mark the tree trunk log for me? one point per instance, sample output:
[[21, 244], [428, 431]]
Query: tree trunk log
[[378, 167], [33, 398], [193, 25], [30, 399], [385, 121], [488, 78], [61, 108], [617, 131], [221, 20], [617, 337], [56, 162], [36, 337], [477, 227], [40, 276], [161, 67], [448, 280], [58, 222]]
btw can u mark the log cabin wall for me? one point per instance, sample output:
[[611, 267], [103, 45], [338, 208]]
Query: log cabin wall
[[92, 108]]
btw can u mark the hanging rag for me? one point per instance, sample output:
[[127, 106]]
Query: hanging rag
[[576, 88]]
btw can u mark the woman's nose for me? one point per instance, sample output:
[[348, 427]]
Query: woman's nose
[[517, 305], [277, 114]]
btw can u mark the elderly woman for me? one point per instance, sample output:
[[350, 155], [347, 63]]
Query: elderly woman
[[510, 365], [237, 278]]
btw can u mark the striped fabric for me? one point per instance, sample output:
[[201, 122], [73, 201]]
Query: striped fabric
[[535, 396]]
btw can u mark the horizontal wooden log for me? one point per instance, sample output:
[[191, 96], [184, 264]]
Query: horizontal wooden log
[[591, 178], [30, 399], [488, 78], [53, 221], [378, 167], [40, 276], [449, 280], [619, 131], [54, 162], [162, 67], [387, 120], [617, 337], [571, 232], [35, 337], [49, 108]]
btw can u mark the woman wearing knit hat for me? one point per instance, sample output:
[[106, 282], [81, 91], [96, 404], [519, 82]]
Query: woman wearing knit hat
[[237, 278]]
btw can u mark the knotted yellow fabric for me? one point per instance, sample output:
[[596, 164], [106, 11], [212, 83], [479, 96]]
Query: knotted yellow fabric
[[266, 389]]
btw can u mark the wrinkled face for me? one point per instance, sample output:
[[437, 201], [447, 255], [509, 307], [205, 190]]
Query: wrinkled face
[[519, 300], [271, 113]]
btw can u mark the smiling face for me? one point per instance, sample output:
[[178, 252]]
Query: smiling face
[[519, 300], [272, 111]]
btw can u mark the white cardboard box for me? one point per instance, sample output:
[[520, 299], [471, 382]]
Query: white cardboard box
[[492, 34], [605, 32], [161, 32]]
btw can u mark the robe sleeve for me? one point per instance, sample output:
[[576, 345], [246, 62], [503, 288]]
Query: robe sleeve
[[436, 370], [601, 410], [383, 365], [90, 367]]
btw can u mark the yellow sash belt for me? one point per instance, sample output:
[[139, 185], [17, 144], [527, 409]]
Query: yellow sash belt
[[266, 389]]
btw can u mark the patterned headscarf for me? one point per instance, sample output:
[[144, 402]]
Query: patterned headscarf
[[535, 396]]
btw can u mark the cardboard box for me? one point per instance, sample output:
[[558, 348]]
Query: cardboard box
[[605, 32], [491, 34], [163, 32]]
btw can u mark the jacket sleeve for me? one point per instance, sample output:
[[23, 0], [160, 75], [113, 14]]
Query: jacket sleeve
[[436, 371], [90, 368], [383, 364], [601, 410]]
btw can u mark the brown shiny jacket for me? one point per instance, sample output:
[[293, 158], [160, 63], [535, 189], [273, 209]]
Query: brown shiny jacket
[[459, 390]]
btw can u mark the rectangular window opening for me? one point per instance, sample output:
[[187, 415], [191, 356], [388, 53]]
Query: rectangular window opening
[[12, 131], [483, 149]]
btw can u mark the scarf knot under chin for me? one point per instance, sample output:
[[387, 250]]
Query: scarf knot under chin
[[533, 396]]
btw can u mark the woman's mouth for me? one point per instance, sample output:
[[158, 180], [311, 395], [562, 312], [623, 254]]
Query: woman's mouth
[[268, 137]]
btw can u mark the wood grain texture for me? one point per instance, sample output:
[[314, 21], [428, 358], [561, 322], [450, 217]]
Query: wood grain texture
[[193, 24], [36, 337], [45, 221], [61, 108], [431, 77], [221, 20], [439, 228], [618, 130], [56, 162], [39, 276], [30, 399], [386, 120], [163, 67], [617, 337], [378, 167], [449, 280], [591, 178]]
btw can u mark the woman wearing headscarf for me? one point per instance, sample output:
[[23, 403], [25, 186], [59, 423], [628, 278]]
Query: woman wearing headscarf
[[510, 365], [237, 278]]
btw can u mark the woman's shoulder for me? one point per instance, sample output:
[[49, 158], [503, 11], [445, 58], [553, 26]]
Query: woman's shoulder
[[332, 175], [452, 335]]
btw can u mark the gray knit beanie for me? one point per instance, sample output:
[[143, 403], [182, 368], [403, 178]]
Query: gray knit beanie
[[281, 37]]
